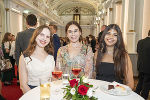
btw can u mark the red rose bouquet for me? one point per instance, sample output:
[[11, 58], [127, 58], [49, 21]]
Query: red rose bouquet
[[79, 90]]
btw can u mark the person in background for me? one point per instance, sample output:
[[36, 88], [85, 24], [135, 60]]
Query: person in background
[[1, 55], [100, 33], [143, 64], [112, 60], [37, 61], [12, 54], [56, 40], [22, 39], [87, 41], [6, 46], [93, 42], [75, 53]]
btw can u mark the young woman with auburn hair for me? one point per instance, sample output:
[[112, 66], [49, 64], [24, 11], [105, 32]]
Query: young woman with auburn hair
[[37, 61]]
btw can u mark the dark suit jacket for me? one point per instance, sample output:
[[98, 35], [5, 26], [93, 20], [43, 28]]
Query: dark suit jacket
[[143, 49], [93, 44], [22, 41], [100, 35], [56, 43]]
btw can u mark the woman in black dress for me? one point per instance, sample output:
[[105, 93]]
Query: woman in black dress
[[112, 60], [7, 76]]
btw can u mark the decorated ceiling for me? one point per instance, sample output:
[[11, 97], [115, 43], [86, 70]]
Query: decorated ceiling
[[64, 7]]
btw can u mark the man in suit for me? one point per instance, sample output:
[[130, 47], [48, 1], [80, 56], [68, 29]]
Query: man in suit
[[55, 38], [23, 38], [143, 65]]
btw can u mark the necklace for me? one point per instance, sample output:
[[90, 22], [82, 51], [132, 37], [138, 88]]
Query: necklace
[[76, 45]]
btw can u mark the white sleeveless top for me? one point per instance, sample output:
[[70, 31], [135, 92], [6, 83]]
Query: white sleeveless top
[[39, 70]]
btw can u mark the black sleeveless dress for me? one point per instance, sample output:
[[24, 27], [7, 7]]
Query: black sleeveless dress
[[106, 72]]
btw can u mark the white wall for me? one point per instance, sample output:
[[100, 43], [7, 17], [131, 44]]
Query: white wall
[[138, 19], [2, 20], [146, 18], [15, 22], [67, 18], [86, 30], [118, 14], [85, 21]]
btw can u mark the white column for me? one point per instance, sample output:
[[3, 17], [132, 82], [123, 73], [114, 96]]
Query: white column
[[146, 19], [131, 17], [110, 15], [97, 32], [117, 12], [131, 31], [124, 28], [38, 21], [107, 17], [131, 42], [7, 13]]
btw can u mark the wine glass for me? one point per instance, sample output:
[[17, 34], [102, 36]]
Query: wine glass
[[76, 69], [57, 73]]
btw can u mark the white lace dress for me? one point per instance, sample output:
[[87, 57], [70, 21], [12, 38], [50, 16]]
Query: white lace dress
[[39, 70]]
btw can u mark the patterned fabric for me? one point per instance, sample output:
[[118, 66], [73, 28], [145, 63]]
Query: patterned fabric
[[1, 52], [84, 59]]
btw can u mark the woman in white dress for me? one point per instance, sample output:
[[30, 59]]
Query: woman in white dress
[[37, 61]]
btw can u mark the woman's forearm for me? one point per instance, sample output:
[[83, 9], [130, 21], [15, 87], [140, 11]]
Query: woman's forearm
[[24, 88]]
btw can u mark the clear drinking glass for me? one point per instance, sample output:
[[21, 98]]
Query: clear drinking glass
[[44, 89], [65, 75]]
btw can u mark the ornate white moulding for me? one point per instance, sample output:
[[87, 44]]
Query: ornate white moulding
[[40, 9]]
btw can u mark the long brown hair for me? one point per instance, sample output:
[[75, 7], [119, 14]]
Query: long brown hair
[[6, 39], [33, 43], [119, 53]]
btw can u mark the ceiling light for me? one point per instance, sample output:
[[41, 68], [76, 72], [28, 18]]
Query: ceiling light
[[26, 11], [15, 10]]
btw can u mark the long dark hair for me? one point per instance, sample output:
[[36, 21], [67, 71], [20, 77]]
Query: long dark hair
[[6, 39], [33, 43], [76, 24], [119, 53]]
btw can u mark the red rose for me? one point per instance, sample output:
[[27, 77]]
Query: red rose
[[73, 82], [82, 89]]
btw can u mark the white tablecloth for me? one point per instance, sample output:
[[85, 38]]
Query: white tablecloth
[[34, 94]]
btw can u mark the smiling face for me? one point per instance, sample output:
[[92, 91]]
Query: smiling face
[[111, 37], [43, 38], [73, 33]]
